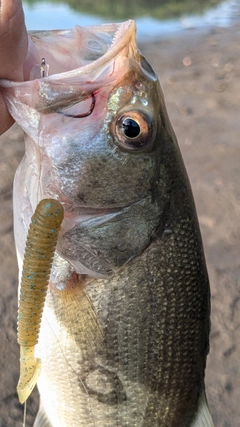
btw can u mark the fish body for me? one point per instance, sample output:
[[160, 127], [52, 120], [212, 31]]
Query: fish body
[[125, 330]]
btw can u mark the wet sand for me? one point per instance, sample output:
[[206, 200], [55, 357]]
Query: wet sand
[[200, 77]]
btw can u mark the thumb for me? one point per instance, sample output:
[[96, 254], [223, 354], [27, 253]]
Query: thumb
[[13, 40]]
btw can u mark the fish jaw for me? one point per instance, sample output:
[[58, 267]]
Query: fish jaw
[[84, 50], [74, 72], [85, 162]]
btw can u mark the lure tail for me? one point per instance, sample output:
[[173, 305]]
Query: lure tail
[[39, 252]]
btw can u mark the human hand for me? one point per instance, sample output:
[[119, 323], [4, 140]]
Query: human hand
[[16, 51]]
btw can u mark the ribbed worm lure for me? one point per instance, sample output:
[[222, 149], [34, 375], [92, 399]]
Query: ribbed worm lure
[[39, 252]]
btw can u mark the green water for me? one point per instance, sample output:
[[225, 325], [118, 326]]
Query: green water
[[124, 9]]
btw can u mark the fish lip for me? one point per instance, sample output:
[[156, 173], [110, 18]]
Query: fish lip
[[125, 31], [56, 91]]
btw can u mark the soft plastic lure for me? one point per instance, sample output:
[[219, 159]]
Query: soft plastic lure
[[39, 252]]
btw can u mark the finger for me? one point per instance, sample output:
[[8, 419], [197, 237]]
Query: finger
[[13, 40]]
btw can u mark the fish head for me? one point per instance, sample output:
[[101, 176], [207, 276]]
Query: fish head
[[95, 128]]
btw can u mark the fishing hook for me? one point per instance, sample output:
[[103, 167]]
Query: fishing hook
[[44, 73]]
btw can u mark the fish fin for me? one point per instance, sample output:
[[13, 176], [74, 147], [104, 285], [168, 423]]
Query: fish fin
[[202, 417], [41, 418]]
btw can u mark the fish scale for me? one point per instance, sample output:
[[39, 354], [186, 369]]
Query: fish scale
[[176, 342]]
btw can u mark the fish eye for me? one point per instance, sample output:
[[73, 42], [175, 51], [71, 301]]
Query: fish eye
[[133, 130], [130, 127]]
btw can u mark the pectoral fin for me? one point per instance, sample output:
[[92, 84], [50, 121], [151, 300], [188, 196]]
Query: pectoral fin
[[202, 417]]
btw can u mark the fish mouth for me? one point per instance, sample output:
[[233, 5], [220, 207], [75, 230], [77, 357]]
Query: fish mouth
[[73, 81], [114, 37]]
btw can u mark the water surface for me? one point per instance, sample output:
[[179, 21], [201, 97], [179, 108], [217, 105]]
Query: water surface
[[46, 15]]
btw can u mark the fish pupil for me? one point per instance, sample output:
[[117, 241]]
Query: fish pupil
[[130, 128]]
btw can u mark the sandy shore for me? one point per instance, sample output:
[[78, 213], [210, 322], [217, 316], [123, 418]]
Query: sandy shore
[[200, 76]]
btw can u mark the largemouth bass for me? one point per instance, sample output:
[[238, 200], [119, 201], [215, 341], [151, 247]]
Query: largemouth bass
[[125, 331]]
